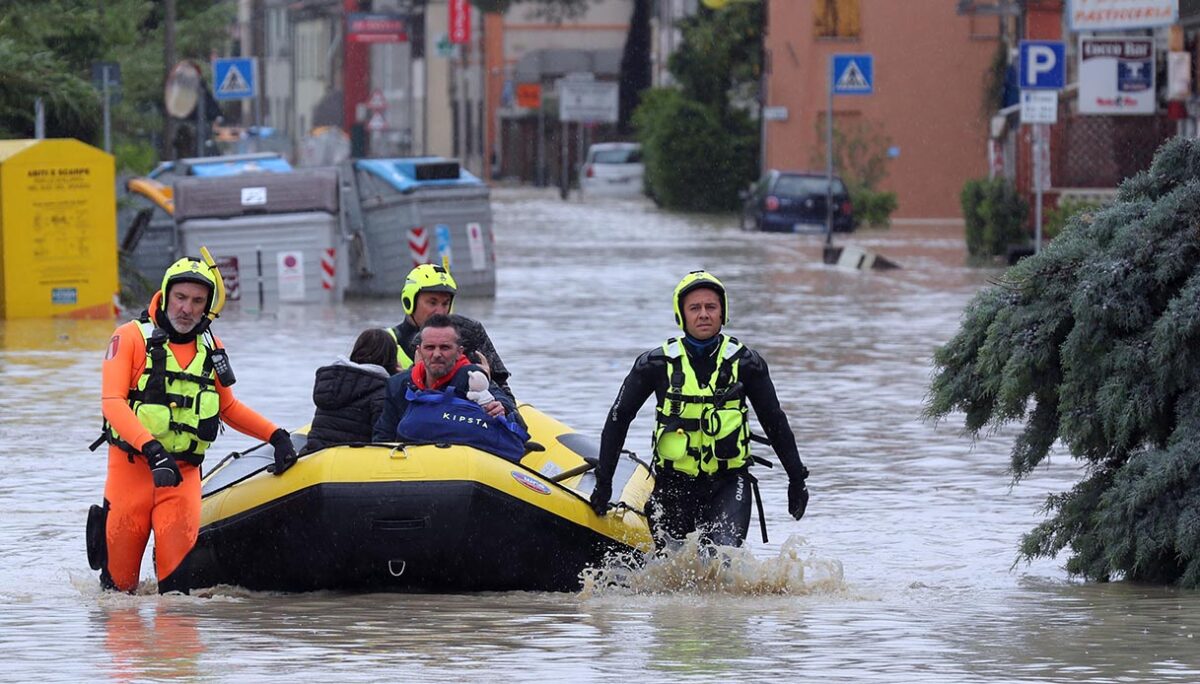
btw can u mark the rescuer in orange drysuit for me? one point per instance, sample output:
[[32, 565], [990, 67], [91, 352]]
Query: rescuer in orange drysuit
[[165, 393]]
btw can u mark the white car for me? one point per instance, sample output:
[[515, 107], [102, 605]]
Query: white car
[[612, 170]]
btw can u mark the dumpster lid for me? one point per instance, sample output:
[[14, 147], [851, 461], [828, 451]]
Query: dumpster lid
[[409, 173], [229, 165]]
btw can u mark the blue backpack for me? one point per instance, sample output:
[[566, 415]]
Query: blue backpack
[[434, 416]]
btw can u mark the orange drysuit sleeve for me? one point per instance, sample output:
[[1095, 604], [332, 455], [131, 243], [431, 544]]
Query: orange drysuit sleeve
[[123, 365], [239, 416]]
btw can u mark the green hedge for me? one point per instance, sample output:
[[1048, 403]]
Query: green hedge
[[994, 215], [693, 161], [872, 208]]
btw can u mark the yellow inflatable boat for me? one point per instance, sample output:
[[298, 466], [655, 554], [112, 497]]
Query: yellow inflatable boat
[[417, 517]]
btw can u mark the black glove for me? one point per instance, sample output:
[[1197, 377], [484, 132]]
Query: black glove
[[285, 453], [797, 498], [162, 465], [601, 493]]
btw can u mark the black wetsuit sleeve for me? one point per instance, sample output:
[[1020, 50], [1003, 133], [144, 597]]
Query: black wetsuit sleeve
[[476, 339], [406, 338], [637, 387], [395, 402], [760, 391]]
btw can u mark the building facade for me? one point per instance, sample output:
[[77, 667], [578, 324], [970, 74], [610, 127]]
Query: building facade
[[925, 114], [526, 54], [399, 83], [1111, 116]]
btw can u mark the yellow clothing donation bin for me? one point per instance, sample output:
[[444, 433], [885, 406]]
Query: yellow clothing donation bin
[[58, 230]]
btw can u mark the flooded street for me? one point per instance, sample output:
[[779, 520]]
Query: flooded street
[[909, 545]]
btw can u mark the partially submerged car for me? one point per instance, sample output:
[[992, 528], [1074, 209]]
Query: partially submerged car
[[612, 170], [795, 202]]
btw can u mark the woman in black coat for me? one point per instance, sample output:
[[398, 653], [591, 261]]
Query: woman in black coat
[[349, 393]]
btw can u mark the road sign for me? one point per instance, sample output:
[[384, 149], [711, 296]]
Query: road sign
[[475, 241], [376, 122], [459, 13], [445, 256], [776, 113], [1039, 106], [365, 27], [289, 269], [228, 267], [1042, 64], [853, 74], [377, 102], [587, 101], [234, 78], [529, 95]]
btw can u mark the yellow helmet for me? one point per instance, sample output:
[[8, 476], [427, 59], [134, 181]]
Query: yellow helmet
[[189, 270], [697, 279], [426, 278]]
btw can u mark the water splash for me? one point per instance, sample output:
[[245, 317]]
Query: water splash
[[695, 567], [146, 593]]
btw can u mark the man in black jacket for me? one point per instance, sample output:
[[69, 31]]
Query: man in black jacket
[[429, 290], [702, 382]]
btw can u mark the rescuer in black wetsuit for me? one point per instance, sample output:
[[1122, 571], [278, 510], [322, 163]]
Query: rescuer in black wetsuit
[[702, 382]]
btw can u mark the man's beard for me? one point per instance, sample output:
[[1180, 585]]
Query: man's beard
[[167, 322], [182, 326], [438, 372]]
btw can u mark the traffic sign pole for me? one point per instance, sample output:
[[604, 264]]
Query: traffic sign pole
[[106, 78], [1042, 67], [565, 144], [829, 158], [857, 78], [201, 119], [107, 111], [1039, 170], [541, 146]]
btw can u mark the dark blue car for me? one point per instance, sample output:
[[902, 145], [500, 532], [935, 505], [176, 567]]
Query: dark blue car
[[794, 202]]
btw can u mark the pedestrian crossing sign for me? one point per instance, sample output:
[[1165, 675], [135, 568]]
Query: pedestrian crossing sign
[[853, 74], [233, 78]]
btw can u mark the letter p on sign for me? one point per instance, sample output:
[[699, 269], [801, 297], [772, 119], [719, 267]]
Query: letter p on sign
[[1042, 65]]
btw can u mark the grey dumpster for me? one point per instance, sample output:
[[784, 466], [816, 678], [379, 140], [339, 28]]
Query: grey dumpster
[[417, 210], [276, 237], [148, 236]]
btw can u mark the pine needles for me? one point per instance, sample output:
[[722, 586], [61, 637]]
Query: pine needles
[[1096, 342]]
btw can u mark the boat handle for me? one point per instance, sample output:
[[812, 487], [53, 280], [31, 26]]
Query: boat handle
[[398, 451]]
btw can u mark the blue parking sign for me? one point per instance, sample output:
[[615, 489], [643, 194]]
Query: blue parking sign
[[1042, 64]]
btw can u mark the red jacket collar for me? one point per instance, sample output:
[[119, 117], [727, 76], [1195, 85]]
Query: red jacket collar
[[418, 374]]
